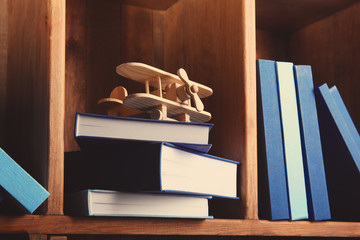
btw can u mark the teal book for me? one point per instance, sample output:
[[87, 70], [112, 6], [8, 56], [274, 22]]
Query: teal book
[[315, 178], [19, 187], [292, 141]]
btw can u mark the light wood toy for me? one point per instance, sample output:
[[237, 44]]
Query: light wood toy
[[166, 97]]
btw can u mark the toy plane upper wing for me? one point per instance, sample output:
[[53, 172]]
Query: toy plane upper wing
[[141, 72]]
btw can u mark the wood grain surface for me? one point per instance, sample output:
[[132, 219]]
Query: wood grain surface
[[331, 47], [290, 16], [35, 92], [3, 63], [215, 44], [65, 225]]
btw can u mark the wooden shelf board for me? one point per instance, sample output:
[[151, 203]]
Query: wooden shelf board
[[289, 16], [65, 225], [153, 4]]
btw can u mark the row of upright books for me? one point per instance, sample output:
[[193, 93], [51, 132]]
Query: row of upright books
[[309, 147], [144, 168]]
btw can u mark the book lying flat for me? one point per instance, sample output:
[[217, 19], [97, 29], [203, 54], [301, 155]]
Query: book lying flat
[[92, 202], [19, 189], [142, 166], [101, 126]]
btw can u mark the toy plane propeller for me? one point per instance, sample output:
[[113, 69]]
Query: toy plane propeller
[[170, 100]]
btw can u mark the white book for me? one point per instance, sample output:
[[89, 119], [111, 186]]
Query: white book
[[126, 128], [92, 202]]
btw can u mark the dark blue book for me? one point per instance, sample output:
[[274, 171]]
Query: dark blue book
[[146, 166], [341, 155], [315, 178], [18, 188], [273, 193], [95, 128]]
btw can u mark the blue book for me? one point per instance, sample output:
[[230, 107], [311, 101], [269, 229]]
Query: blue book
[[341, 155], [292, 141], [26, 193], [159, 167], [95, 129], [315, 179], [347, 118], [94, 202], [273, 193]]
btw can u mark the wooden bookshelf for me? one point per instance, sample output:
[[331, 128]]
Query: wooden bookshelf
[[58, 57], [65, 225]]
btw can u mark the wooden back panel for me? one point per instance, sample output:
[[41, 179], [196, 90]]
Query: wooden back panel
[[214, 42]]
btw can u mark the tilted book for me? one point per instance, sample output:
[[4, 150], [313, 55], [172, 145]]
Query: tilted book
[[94, 202], [144, 166], [18, 188], [273, 193], [341, 157], [347, 118], [292, 141], [315, 178]]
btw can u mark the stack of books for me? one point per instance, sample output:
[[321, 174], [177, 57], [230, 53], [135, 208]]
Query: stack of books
[[147, 168], [309, 148]]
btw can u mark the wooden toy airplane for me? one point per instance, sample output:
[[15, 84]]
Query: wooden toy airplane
[[170, 99]]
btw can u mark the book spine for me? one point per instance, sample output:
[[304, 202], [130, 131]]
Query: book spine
[[292, 141], [315, 179], [347, 118], [340, 153], [20, 185], [271, 159]]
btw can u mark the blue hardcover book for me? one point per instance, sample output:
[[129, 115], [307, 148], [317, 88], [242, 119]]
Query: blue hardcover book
[[94, 202], [18, 185], [315, 179], [341, 155], [292, 141], [146, 166], [347, 118], [273, 193], [96, 129]]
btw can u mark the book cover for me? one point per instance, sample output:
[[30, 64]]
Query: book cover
[[273, 193], [292, 141], [18, 187], [141, 166], [315, 178], [94, 126], [347, 118], [93, 142], [94, 202], [340, 156]]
